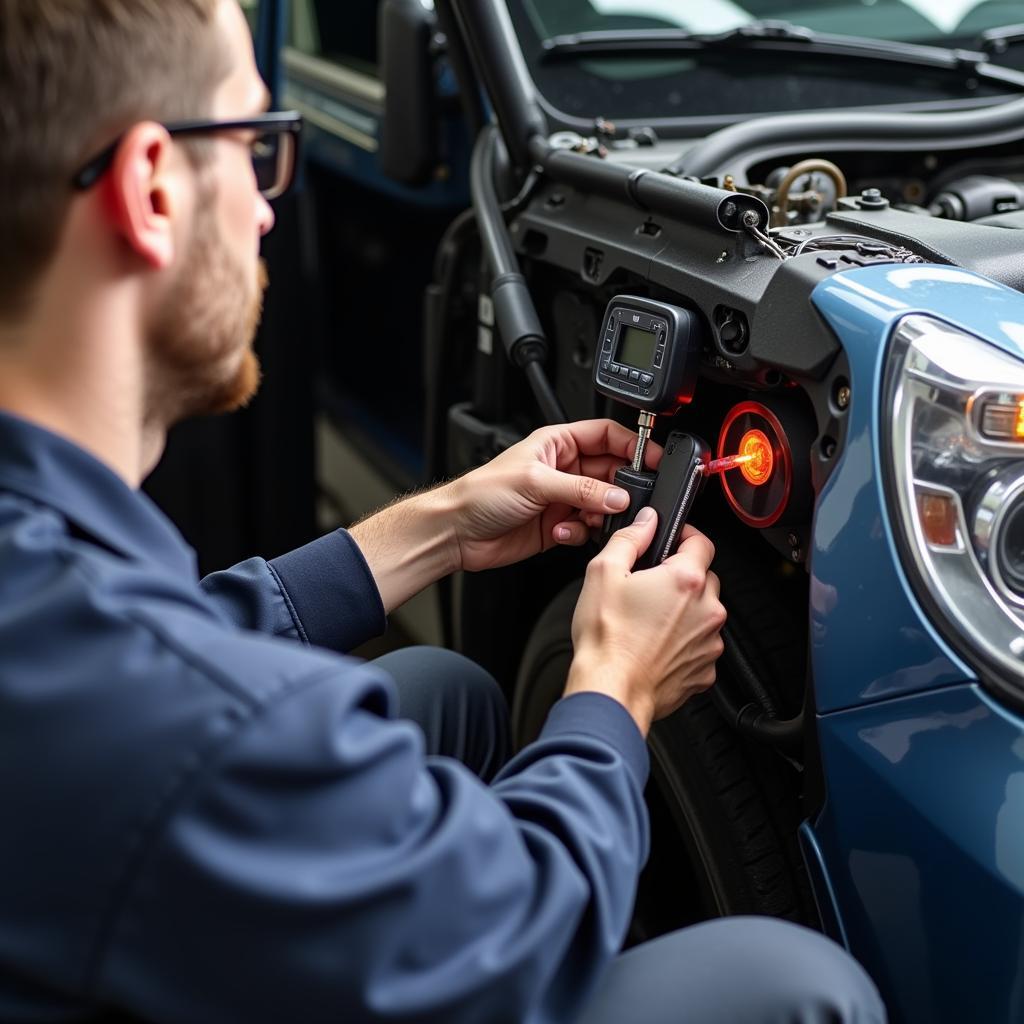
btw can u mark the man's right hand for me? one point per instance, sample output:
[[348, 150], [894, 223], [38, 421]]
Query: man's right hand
[[649, 639]]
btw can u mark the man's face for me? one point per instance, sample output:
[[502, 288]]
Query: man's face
[[201, 336]]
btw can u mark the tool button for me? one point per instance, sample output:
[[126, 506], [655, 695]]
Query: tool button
[[634, 375], [614, 368], [657, 357], [647, 379]]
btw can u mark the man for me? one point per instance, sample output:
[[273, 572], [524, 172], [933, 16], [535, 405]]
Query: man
[[209, 814]]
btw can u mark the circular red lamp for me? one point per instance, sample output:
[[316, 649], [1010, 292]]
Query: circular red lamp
[[759, 493]]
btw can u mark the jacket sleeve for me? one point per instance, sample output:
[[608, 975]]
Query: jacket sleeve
[[321, 594], [325, 871]]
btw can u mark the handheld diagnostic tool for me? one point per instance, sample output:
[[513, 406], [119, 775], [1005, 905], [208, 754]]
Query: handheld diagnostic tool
[[647, 357], [648, 354]]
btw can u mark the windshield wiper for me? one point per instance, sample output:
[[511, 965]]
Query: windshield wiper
[[999, 40], [779, 37]]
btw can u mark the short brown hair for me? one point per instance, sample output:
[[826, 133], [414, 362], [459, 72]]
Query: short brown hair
[[73, 74]]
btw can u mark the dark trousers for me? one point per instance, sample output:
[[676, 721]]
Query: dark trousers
[[737, 970]]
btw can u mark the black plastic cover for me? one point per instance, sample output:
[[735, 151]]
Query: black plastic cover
[[680, 480]]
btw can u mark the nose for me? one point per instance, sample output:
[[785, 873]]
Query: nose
[[265, 216]]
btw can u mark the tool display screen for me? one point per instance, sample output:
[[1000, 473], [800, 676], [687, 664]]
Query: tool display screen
[[636, 347]]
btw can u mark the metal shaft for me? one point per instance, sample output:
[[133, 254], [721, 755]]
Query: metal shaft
[[644, 425]]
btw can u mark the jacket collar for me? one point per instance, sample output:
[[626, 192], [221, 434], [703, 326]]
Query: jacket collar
[[53, 471]]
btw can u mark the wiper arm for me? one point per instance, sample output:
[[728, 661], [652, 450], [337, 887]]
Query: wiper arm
[[780, 37], [999, 40]]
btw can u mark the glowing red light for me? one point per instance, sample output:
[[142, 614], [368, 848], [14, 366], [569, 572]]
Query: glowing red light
[[758, 469]]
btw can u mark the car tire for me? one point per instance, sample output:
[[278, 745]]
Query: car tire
[[724, 809]]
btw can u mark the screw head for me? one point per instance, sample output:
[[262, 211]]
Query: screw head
[[843, 396]]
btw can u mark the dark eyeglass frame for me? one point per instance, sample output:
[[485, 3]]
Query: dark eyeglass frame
[[286, 123]]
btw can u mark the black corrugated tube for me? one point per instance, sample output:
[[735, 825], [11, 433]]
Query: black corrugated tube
[[514, 313]]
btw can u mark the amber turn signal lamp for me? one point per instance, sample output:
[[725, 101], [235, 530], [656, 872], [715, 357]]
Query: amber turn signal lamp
[[938, 516]]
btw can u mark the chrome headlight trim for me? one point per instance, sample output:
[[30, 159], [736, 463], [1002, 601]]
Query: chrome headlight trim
[[936, 380]]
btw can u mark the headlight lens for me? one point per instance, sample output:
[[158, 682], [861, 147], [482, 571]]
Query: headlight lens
[[955, 447]]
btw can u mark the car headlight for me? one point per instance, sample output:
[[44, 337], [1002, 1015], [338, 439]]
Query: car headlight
[[955, 446]]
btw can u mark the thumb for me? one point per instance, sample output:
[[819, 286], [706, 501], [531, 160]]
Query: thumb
[[626, 545], [582, 492]]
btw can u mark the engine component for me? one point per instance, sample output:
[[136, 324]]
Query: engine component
[[808, 189], [977, 196]]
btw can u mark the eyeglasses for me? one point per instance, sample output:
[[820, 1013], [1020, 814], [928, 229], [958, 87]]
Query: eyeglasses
[[274, 149]]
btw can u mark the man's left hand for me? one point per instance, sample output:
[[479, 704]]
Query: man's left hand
[[551, 488]]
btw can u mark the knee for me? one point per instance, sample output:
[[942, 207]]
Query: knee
[[435, 684], [740, 969], [446, 674], [795, 973]]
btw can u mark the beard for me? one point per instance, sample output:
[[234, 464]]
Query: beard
[[202, 361]]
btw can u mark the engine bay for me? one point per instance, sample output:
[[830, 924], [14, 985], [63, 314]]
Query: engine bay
[[763, 345]]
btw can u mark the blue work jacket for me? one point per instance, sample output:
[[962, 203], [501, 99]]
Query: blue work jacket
[[209, 814]]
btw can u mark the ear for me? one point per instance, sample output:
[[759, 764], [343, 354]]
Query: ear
[[147, 194]]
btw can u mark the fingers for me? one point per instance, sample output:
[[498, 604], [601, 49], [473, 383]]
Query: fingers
[[553, 487], [601, 467], [601, 437], [604, 437], [626, 545], [695, 549], [652, 453], [571, 533]]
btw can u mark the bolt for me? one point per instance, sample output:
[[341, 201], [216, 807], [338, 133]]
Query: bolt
[[829, 450], [793, 540], [872, 199], [729, 210], [751, 219], [796, 554], [843, 396]]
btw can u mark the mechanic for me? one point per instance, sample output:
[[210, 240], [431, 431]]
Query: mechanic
[[210, 813]]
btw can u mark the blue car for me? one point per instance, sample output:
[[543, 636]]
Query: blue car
[[836, 204]]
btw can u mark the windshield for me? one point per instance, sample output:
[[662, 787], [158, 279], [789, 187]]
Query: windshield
[[939, 22], [709, 84]]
